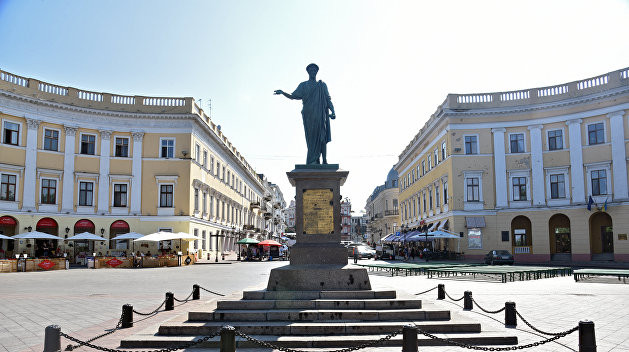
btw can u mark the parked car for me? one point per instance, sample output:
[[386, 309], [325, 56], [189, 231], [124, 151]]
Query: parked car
[[364, 251], [498, 257]]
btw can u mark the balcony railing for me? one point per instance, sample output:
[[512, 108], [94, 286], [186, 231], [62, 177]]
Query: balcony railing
[[391, 212], [522, 250]]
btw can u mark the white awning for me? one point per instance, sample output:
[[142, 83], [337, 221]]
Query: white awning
[[86, 236]]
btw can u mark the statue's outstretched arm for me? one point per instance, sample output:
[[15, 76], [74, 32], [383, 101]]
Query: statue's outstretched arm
[[279, 91]]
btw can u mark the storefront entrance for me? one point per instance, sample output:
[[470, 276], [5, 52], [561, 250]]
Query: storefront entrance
[[8, 227], [521, 235], [46, 248], [601, 237], [118, 227], [559, 237], [84, 248]]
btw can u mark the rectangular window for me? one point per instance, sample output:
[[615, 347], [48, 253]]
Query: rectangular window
[[599, 182], [517, 142], [86, 193], [233, 181], [205, 158], [471, 145], [228, 177], [211, 206], [211, 165], [166, 196], [423, 167], [203, 240], [51, 140], [472, 189], [218, 169], [596, 133], [120, 195], [197, 153], [413, 177], [88, 144], [417, 172], [11, 133], [557, 186], [424, 202], [445, 193], [48, 191], [429, 162], [443, 151], [122, 147], [436, 157], [430, 199], [167, 148], [196, 242], [196, 199], [555, 140], [437, 196], [223, 175], [8, 187], [204, 206], [519, 188]]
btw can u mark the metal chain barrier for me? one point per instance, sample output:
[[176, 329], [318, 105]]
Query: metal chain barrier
[[153, 312], [118, 326], [446, 292], [285, 349], [181, 347], [512, 348], [184, 300], [432, 289], [212, 292], [485, 310], [534, 328]]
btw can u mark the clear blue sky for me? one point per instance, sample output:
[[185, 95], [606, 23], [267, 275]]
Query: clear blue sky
[[388, 64]]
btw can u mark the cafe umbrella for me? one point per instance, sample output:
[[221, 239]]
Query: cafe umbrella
[[246, 241], [129, 236], [85, 236], [3, 237]]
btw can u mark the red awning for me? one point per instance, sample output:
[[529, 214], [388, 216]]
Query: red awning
[[84, 224], [7, 221], [46, 222], [120, 225]]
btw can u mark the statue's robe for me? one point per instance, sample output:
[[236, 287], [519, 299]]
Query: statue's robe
[[316, 99]]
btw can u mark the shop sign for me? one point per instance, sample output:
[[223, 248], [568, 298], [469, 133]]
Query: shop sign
[[187, 261], [114, 262], [46, 264]]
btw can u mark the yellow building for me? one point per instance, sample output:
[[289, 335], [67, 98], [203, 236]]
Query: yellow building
[[382, 209], [74, 161], [516, 171]]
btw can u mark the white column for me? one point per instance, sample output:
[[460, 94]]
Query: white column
[[619, 156], [136, 181], [537, 166], [500, 167], [67, 199], [103, 179], [577, 184], [30, 165]]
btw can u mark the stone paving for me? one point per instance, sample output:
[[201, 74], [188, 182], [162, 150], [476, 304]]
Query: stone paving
[[84, 302]]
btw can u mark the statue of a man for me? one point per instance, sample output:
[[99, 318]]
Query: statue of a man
[[316, 100]]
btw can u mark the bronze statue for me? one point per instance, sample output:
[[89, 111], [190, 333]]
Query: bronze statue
[[316, 104]]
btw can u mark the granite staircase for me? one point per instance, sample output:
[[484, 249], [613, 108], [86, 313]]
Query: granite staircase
[[318, 319]]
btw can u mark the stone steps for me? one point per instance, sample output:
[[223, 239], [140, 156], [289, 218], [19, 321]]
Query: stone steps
[[309, 295], [319, 315], [256, 304], [152, 341], [319, 328]]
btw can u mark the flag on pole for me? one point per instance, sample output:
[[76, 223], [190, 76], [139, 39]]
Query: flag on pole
[[590, 202]]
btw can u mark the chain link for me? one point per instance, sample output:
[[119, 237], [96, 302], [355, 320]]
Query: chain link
[[485, 310], [151, 313], [512, 348], [421, 293], [534, 328], [118, 326], [184, 300], [212, 292], [170, 349], [446, 292], [286, 349]]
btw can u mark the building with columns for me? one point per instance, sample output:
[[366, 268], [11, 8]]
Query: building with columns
[[382, 209], [541, 172], [74, 161]]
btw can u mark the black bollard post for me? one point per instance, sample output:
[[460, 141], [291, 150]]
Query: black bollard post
[[228, 339], [196, 292], [170, 301], [52, 339], [587, 340], [511, 318], [409, 338], [127, 316], [467, 300], [441, 291]]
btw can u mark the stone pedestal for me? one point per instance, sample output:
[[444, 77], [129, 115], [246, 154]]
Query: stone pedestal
[[318, 261]]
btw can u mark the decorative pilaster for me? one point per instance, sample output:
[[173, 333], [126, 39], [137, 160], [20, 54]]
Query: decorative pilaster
[[537, 166], [577, 184], [30, 165], [500, 167], [136, 170], [103, 180], [619, 156], [67, 199]]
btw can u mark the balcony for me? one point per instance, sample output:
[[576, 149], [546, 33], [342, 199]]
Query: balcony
[[254, 205], [391, 212]]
